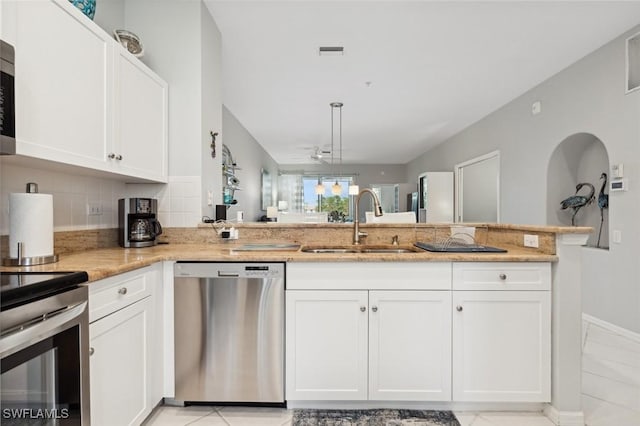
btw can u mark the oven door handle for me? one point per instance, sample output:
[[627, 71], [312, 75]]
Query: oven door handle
[[46, 327]]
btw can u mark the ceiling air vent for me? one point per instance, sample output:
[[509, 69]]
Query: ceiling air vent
[[331, 50]]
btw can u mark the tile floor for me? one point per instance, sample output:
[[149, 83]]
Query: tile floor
[[610, 378], [611, 394]]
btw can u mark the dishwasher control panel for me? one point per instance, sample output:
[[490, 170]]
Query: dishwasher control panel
[[229, 270]]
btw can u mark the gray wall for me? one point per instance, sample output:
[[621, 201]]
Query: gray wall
[[580, 158], [110, 15], [172, 40], [251, 158], [183, 45], [587, 97]]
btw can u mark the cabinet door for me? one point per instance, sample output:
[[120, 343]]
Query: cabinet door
[[502, 346], [62, 81], [119, 365], [326, 349], [410, 345], [140, 146]]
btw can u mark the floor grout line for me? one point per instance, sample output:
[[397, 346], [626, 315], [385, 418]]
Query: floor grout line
[[217, 410], [199, 418], [612, 403], [631, 385]]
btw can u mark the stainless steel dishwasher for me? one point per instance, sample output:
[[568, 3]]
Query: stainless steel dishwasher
[[229, 332]]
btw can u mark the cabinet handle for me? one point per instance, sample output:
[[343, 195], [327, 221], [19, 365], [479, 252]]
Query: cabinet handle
[[91, 351], [363, 308], [118, 157], [374, 308], [459, 308], [123, 291], [111, 156], [503, 276]]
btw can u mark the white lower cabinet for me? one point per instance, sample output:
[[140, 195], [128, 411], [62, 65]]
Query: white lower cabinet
[[326, 335], [125, 340], [502, 346], [502, 332], [119, 366], [467, 332], [410, 345], [366, 344]]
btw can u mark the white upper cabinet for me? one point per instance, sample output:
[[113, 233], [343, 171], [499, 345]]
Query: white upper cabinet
[[140, 147], [62, 84], [81, 99]]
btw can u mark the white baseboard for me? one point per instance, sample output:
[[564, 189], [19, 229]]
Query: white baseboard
[[631, 335], [564, 418], [530, 407]]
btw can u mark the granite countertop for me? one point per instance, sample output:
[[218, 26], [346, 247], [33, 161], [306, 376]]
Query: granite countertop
[[103, 263]]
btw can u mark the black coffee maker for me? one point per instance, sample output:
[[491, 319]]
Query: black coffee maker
[[137, 222]]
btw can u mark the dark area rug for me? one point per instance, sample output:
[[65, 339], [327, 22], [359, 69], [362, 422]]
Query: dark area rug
[[381, 417]]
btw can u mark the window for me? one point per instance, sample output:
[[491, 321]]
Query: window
[[299, 192]]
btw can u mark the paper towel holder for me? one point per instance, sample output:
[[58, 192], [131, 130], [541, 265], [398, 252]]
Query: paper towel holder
[[28, 261], [32, 188]]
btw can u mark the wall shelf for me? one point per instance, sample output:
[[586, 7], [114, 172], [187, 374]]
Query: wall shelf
[[229, 179]]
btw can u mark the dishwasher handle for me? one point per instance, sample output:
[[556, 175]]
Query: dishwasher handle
[[224, 274]]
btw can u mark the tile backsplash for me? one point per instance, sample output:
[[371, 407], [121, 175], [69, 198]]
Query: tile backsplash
[[178, 201]]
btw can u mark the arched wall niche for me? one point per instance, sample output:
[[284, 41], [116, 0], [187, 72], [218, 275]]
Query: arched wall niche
[[581, 157]]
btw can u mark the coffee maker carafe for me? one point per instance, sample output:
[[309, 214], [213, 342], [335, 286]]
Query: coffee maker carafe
[[137, 222]]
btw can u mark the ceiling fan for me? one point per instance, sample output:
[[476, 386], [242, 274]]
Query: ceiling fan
[[320, 154]]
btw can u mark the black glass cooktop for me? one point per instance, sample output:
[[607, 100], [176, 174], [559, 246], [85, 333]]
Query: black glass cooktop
[[18, 288]]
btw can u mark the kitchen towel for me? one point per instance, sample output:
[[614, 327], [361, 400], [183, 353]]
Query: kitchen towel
[[31, 223]]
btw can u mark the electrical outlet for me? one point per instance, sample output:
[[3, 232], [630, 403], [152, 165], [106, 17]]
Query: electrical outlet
[[94, 209], [531, 240]]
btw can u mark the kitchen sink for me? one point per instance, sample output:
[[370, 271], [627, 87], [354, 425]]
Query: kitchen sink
[[359, 249]]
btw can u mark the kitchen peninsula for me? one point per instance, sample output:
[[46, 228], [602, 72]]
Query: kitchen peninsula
[[551, 269]]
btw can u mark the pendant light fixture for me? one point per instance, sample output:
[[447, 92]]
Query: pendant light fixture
[[320, 188], [336, 188]]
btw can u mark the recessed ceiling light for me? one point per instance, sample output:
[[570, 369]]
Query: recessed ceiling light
[[331, 50]]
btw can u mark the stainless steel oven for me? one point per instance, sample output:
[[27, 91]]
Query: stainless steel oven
[[7, 100], [44, 349]]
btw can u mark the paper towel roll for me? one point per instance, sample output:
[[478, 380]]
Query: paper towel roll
[[31, 223]]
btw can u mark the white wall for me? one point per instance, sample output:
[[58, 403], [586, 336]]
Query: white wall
[[211, 109], [251, 158], [587, 97]]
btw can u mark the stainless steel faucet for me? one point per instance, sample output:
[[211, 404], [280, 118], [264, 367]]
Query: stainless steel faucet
[[377, 210]]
